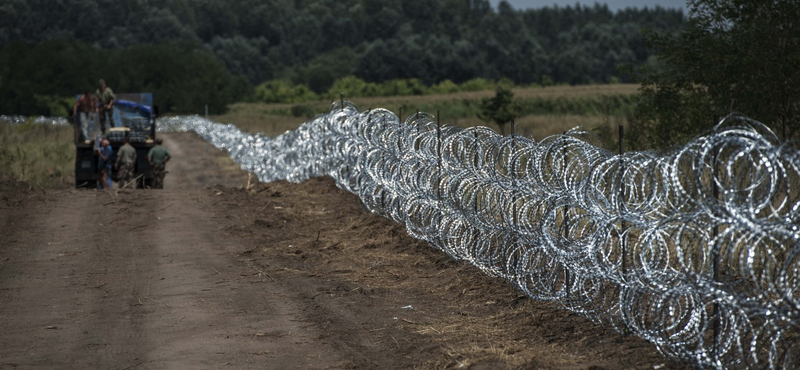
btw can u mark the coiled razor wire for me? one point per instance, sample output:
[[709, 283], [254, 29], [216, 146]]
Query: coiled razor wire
[[18, 120], [696, 249]]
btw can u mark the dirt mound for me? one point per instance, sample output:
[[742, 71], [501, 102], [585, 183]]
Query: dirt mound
[[426, 309]]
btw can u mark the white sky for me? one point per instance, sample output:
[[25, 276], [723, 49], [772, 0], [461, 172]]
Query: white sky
[[614, 5]]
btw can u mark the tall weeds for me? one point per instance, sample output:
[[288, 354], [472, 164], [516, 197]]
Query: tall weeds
[[39, 154]]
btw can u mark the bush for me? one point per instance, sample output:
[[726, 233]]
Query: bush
[[279, 91], [54, 106], [477, 84], [352, 86], [444, 87]]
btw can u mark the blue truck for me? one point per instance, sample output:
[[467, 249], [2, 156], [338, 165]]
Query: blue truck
[[135, 119]]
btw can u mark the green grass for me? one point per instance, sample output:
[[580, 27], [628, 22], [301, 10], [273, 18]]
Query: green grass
[[38, 154]]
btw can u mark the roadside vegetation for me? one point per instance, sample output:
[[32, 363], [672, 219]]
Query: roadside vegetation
[[542, 111], [38, 154]]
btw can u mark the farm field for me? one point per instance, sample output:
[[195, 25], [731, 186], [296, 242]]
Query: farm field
[[217, 271], [564, 107]]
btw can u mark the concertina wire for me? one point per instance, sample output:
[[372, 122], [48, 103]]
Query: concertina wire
[[695, 249]]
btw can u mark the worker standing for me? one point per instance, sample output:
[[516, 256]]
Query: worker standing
[[126, 156], [82, 111], [104, 152], [105, 97], [158, 156]]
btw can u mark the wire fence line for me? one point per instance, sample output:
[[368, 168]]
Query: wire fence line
[[696, 249], [39, 120]]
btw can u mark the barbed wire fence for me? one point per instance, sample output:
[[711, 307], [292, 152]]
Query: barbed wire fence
[[696, 249]]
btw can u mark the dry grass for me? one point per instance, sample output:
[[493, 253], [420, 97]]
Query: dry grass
[[540, 127], [38, 154], [581, 91], [274, 119], [256, 117]]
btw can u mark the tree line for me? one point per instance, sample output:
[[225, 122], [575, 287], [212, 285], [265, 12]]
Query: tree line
[[44, 79], [733, 56], [315, 43]]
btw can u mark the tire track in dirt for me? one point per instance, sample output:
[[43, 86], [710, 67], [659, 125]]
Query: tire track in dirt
[[141, 278]]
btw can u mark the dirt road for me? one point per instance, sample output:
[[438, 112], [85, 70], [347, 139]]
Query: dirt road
[[210, 273]]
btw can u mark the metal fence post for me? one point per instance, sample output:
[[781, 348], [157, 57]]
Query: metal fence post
[[565, 221], [623, 224], [439, 156], [715, 254]]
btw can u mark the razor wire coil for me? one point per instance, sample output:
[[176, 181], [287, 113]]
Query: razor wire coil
[[696, 250]]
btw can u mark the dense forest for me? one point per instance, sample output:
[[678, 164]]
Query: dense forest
[[154, 45]]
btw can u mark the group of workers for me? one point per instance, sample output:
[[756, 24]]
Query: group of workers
[[101, 105], [157, 157]]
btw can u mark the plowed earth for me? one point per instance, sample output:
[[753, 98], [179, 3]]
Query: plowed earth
[[213, 273]]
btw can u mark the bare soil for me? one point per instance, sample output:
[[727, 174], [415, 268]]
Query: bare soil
[[213, 272]]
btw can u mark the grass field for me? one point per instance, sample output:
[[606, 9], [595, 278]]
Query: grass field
[[38, 154], [544, 111]]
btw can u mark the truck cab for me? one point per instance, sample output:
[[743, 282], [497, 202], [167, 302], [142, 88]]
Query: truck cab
[[134, 118]]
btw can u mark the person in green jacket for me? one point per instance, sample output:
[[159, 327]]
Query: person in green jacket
[[158, 156]]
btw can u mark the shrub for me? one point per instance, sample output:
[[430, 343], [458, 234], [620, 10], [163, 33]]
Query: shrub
[[279, 91], [477, 84]]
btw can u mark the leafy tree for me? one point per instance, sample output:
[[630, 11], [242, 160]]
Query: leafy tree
[[733, 56], [499, 109], [243, 56], [182, 77], [314, 43]]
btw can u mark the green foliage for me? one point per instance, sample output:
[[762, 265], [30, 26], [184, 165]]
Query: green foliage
[[444, 87], [403, 87], [734, 56], [53, 106], [279, 91], [499, 109], [43, 79], [314, 43], [352, 86], [477, 84]]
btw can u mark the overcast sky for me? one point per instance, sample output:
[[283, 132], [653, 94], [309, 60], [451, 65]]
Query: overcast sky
[[614, 5]]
